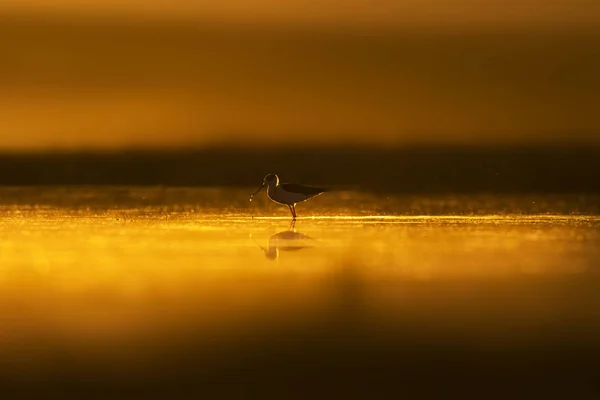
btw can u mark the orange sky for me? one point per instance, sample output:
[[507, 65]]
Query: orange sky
[[78, 84], [386, 12]]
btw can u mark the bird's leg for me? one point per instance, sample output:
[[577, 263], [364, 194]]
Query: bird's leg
[[291, 211], [292, 227], [294, 210]]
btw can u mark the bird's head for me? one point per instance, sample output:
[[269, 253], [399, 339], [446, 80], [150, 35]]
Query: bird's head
[[271, 179]]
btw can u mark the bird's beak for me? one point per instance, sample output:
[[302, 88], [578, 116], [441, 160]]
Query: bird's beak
[[258, 190]]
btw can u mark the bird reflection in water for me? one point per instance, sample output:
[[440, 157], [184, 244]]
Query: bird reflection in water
[[285, 241]]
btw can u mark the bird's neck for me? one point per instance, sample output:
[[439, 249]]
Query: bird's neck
[[272, 189]]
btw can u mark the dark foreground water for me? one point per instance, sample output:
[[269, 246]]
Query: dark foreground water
[[154, 292]]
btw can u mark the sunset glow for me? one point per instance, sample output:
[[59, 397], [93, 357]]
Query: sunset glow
[[370, 12]]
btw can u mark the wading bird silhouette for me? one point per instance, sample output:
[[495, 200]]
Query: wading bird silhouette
[[288, 193]]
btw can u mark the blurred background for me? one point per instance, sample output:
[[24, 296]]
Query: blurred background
[[133, 76], [153, 74], [477, 269]]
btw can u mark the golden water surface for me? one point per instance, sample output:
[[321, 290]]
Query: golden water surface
[[121, 284]]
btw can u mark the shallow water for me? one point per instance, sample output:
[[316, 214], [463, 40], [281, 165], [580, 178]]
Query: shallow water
[[154, 288]]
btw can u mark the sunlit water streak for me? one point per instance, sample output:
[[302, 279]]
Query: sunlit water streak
[[127, 287]]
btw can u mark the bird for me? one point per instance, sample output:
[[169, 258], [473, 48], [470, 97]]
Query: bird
[[287, 193]]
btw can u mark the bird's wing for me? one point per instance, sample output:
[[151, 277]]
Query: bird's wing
[[295, 188]]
